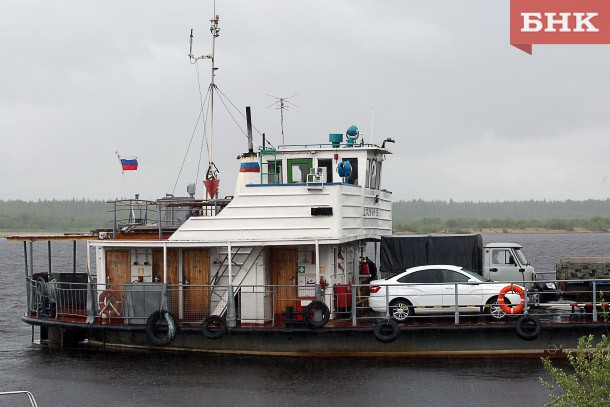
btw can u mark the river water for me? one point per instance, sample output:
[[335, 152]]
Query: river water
[[90, 378]]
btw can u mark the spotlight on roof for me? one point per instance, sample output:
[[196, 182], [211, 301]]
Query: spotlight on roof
[[388, 140]]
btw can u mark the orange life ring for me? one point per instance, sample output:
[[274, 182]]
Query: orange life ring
[[510, 310], [110, 303]]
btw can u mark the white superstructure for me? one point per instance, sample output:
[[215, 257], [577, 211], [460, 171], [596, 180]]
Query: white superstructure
[[295, 194], [299, 223]]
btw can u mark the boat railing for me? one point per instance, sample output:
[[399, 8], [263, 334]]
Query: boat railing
[[55, 298], [133, 303], [325, 145], [173, 211], [167, 213], [555, 305], [129, 213], [29, 395]]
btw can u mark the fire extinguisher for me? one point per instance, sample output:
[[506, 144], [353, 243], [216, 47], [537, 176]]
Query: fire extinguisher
[[322, 283], [364, 268]]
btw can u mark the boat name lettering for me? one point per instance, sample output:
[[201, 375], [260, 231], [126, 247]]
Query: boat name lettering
[[371, 212]]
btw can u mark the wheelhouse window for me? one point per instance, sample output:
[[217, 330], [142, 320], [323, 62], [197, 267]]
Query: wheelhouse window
[[298, 169], [352, 178], [373, 170], [328, 164], [274, 172]]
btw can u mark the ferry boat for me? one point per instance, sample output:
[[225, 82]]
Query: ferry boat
[[281, 267]]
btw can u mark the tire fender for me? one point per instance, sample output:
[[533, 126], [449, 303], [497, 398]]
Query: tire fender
[[528, 327], [214, 327], [386, 331], [316, 307], [161, 338]]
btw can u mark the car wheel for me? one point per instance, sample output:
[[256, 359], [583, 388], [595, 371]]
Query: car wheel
[[494, 309], [401, 309]]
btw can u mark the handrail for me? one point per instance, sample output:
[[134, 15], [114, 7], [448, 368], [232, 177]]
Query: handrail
[[326, 145], [30, 395], [132, 303], [165, 212]]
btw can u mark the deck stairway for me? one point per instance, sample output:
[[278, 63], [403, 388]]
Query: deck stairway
[[244, 260]]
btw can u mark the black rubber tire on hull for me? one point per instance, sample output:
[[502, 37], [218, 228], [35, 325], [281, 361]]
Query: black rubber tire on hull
[[167, 333], [214, 327], [316, 314], [528, 327], [387, 330]]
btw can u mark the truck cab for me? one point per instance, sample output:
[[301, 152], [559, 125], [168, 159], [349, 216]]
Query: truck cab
[[506, 262]]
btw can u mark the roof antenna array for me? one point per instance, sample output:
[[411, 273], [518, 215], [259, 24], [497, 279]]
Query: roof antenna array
[[282, 104]]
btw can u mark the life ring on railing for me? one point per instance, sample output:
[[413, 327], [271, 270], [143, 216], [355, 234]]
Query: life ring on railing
[[110, 303], [164, 334], [316, 314], [386, 330], [528, 327], [214, 327], [517, 290]]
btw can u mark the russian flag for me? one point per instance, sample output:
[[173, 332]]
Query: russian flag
[[129, 164], [249, 167]]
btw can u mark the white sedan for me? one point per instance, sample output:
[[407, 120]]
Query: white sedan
[[431, 290]]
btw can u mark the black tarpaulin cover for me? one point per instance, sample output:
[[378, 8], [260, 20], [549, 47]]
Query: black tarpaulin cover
[[399, 253]]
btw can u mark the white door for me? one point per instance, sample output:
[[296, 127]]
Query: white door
[[470, 296], [423, 289], [504, 267]]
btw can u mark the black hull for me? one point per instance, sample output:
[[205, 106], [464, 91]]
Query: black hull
[[477, 340]]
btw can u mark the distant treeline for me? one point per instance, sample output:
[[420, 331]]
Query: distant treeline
[[54, 215], [416, 216], [467, 225], [420, 216]]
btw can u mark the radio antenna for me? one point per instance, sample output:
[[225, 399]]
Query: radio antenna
[[282, 104], [372, 117]]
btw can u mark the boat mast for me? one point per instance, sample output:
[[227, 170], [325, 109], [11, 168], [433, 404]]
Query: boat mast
[[211, 177], [214, 29]]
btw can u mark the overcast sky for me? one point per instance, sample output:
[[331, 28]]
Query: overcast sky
[[473, 117]]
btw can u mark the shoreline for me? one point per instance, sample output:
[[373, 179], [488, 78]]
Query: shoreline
[[490, 231], [511, 231], [5, 234]]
